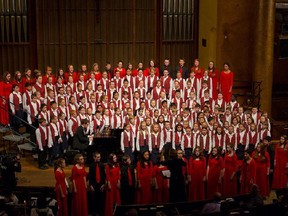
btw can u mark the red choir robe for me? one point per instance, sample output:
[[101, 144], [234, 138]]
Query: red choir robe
[[113, 193], [166, 83], [151, 82], [130, 80], [146, 72], [230, 186], [121, 70], [79, 195], [156, 92], [98, 75], [5, 90], [40, 88], [27, 79], [161, 194], [176, 139], [197, 172], [138, 79], [231, 139], [20, 84], [219, 141], [61, 201], [215, 167], [281, 159], [104, 83], [117, 121], [262, 179], [187, 93], [144, 176], [253, 137], [194, 83], [45, 79], [128, 89], [203, 100], [118, 83], [199, 72], [248, 176], [214, 75], [178, 102], [73, 74], [226, 82]]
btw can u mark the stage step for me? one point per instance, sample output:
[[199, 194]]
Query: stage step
[[27, 147], [4, 129], [12, 138], [25, 135]]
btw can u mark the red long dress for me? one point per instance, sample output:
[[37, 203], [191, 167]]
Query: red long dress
[[79, 199], [215, 79], [98, 75], [261, 173], [122, 71], [197, 171], [5, 90], [162, 193], [226, 81], [73, 74], [248, 176], [215, 167], [62, 202], [113, 194], [281, 157], [146, 72], [144, 175], [28, 80], [230, 186], [198, 72], [20, 84]]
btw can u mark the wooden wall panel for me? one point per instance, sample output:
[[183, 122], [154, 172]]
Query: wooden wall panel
[[14, 57], [235, 36], [87, 31]]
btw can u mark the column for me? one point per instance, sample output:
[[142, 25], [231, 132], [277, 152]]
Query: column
[[264, 51]]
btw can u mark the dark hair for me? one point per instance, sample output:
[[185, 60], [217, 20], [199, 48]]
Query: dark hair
[[5, 75], [96, 153], [125, 158], [76, 158], [201, 155], [57, 163], [110, 162], [41, 120], [27, 84], [213, 69], [217, 156], [177, 127], [262, 152], [42, 106], [84, 121], [142, 161], [226, 63], [14, 86], [173, 154]]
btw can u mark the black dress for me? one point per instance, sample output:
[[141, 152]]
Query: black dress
[[177, 182]]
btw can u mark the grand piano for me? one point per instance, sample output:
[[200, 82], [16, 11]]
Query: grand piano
[[106, 143]]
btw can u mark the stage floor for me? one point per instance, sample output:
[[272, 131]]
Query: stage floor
[[32, 176]]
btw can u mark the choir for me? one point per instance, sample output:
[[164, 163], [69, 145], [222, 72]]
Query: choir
[[158, 109]]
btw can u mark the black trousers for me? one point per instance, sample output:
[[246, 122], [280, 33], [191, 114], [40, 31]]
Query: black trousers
[[97, 201], [42, 156]]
